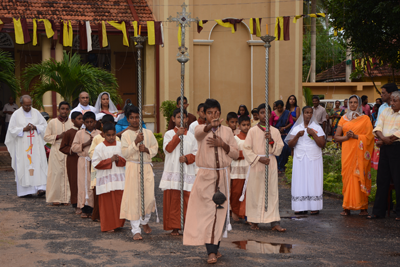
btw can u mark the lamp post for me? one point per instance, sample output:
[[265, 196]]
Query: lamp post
[[139, 40], [267, 39]]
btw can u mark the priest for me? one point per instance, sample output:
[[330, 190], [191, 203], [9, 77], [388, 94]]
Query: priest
[[25, 144], [83, 105]]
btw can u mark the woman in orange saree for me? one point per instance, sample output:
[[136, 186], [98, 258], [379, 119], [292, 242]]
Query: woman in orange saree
[[355, 133]]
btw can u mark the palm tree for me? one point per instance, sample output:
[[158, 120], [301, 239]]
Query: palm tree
[[68, 78], [7, 74]]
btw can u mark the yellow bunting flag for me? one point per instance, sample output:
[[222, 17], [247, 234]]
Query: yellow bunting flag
[[121, 27], [151, 34], [1, 22], [67, 34], [226, 24], [258, 27], [135, 28], [104, 34], [48, 27], [255, 26], [279, 28], [297, 17], [19, 34], [34, 40], [335, 31], [180, 36], [251, 26]]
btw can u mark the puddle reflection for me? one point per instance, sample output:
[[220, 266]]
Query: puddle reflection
[[263, 247]]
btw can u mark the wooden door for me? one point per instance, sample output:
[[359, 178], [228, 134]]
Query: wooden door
[[126, 73], [27, 58]]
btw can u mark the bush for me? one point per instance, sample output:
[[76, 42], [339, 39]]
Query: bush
[[160, 155], [167, 108]]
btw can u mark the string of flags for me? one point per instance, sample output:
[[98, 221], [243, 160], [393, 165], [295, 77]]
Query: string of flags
[[155, 31]]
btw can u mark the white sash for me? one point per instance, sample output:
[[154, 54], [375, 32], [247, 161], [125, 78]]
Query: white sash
[[228, 226], [247, 179]]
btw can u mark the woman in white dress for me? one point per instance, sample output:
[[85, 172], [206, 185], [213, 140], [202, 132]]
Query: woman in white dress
[[104, 105], [307, 138]]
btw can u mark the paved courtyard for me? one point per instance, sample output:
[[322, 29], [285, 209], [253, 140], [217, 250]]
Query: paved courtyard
[[35, 234]]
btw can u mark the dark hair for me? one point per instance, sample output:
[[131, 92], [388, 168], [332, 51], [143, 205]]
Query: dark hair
[[64, 103], [89, 115], [380, 99], [108, 127], [305, 107], [287, 102], [201, 105], [179, 99], [390, 87], [107, 119], [262, 106], [337, 101], [316, 97], [231, 115], [212, 103], [75, 114], [243, 118], [254, 110], [279, 103], [246, 111], [377, 106], [363, 98], [131, 109], [178, 111]]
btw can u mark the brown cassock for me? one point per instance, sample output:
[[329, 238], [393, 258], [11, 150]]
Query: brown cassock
[[84, 166], [72, 162], [172, 208], [204, 222], [191, 118]]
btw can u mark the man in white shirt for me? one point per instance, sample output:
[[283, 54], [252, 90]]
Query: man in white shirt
[[83, 105], [25, 144], [9, 109]]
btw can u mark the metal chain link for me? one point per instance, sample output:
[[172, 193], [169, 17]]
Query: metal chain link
[[181, 137], [266, 121], [140, 129]]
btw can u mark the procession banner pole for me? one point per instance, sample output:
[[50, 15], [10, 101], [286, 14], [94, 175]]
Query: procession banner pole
[[183, 19], [267, 39], [139, 45]]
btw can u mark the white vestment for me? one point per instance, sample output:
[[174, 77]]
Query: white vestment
[[27, 151], [308, 171], [82, 109]]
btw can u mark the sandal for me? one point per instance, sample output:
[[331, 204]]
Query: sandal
[[397, 219], [314, 212], [212, 261], [345, 213]]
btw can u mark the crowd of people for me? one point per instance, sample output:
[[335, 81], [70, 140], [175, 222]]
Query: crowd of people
[[94, 162]]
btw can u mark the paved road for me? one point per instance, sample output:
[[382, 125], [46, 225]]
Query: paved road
[[34, 234]]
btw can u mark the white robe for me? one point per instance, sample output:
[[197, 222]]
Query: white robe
[[82, 109], [27, 151], [171, 175], [308, 171]]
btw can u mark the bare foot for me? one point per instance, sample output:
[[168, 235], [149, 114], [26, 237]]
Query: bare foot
[[212, 259], [235, 217], [78, 211], [174, 232], [111, 231], [254, 226], [65, 204], [363, 213], [56, 204], [146, 228], [278, 228], [85, 215], [137, 237], [219, 255]]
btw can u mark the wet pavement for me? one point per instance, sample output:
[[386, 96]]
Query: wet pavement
[[35, 234]]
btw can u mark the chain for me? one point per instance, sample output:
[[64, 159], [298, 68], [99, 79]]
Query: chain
[[140, 129]]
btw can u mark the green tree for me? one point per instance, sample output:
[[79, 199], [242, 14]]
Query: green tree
[[167, 108], [370, 26], [7, 74], [68, 78]]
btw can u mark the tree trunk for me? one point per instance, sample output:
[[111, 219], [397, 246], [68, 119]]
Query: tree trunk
[[313, 39]]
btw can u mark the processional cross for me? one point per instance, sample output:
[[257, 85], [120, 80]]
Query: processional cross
[[182, 20]]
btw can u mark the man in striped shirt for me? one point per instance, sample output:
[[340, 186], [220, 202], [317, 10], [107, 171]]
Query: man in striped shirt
[[388, 132]]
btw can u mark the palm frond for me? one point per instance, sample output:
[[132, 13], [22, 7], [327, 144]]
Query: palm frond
[[7, 74]]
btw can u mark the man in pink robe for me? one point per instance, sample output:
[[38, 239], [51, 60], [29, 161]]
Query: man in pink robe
[[217, 147]]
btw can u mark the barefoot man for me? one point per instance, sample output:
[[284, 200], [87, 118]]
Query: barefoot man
[[254, 153]]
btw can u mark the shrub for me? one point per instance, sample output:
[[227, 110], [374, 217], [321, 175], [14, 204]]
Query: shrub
[[167, 108], [160, 155]]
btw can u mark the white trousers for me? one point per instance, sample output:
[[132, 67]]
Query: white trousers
[[136, 224]]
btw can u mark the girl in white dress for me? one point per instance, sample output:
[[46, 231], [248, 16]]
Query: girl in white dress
[[307, 138]]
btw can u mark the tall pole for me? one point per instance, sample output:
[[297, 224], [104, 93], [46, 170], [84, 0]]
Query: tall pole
[[267, 39], [182, 20], [139, 46]]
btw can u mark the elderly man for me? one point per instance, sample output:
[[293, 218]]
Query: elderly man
[[83, 105], [388, 132], [25, 144]]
